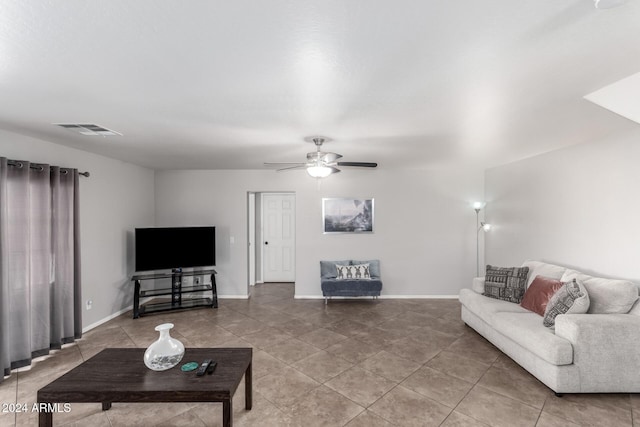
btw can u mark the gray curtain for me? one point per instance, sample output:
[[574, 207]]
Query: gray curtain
[[40, 301]]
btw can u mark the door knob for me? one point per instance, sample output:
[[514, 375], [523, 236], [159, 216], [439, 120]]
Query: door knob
[[266, 243]]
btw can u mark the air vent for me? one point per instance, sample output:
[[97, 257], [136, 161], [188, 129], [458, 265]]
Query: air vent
[[88, 129]]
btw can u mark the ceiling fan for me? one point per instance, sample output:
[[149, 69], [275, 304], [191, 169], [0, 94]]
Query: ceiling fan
[[320, 164]]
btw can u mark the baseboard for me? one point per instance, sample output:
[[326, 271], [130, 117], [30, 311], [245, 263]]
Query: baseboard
[[383, 297], [114, 315], [418, 296], [128, 308], [106, 319]]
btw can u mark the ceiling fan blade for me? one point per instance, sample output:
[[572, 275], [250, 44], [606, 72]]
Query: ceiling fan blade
[[290, 168], [284, 164], [359, 164]]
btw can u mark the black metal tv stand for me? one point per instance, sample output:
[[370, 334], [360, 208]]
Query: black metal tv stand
[[176, 291]]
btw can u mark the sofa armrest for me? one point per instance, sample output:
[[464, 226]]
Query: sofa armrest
[[477, 285], [606, 349]]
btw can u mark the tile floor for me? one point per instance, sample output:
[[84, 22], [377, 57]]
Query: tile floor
[[350, 363]]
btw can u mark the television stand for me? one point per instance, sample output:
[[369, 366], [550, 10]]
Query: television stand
[[175, 292]]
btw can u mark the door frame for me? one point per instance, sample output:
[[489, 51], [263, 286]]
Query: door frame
[[255, 264], [251, 234]]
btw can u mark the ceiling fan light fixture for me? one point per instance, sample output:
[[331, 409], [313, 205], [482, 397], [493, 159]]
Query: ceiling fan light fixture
[[319, 171]]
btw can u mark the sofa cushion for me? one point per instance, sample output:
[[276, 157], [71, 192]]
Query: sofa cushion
[[538, 268], [572, 298], [485, 307], [351, 287], [607, 296], [539, 293], [505, 283], [328, 268], [526, 330]]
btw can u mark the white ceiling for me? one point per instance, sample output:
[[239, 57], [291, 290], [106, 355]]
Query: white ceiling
[[232, 84], [621, 97]]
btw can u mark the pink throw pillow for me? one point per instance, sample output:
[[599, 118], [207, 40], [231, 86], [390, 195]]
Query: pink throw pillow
[[539, 293]]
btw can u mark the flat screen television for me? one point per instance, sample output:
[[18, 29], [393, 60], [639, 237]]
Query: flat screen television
[[161, 248]]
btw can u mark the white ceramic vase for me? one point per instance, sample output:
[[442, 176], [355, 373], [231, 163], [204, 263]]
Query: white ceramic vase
[[165, 353]]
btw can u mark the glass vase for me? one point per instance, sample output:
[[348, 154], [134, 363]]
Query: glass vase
[[165, 353]]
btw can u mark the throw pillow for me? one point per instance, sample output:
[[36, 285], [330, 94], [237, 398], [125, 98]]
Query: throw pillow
[[505, 283], [342, 272], [571, 298], [353, 272], [539, 293], [328, 268], [361, 271]]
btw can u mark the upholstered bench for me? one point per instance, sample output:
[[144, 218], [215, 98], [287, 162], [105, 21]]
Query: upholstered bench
[[350, 278]]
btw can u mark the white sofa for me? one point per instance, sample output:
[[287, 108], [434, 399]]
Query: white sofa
[[597, 352]]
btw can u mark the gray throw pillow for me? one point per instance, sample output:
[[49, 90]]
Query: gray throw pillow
[[506, 283], [328, 268], [572, 297]]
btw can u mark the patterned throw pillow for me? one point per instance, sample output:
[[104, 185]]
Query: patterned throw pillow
[[506, 283], [571, 298], [353, 272]]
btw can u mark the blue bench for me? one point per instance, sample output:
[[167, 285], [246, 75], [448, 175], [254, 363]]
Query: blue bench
[[332, 286]]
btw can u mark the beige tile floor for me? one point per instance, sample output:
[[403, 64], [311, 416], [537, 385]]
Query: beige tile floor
[[350, 363]]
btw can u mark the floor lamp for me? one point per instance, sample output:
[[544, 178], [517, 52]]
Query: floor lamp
[[477, 206]]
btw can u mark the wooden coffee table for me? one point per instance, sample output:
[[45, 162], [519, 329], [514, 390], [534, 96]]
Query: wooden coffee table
[[120, 375]]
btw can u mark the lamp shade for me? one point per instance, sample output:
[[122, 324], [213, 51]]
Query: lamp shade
[[319, 171]]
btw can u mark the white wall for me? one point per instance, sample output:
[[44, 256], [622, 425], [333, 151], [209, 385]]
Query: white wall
[[424, 223], [115, 198], [577, 207]]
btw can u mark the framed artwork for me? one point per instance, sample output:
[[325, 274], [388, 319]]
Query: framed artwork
[[347, 215]]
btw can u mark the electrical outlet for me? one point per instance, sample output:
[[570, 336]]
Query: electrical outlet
[[89, 304]]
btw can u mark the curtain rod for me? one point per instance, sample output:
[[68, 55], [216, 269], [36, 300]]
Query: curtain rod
[[40, 168]]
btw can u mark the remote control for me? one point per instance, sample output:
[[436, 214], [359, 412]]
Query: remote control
[[203, 367], [212, 367]]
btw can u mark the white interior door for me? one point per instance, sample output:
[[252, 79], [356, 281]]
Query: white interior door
[[278, 237]]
